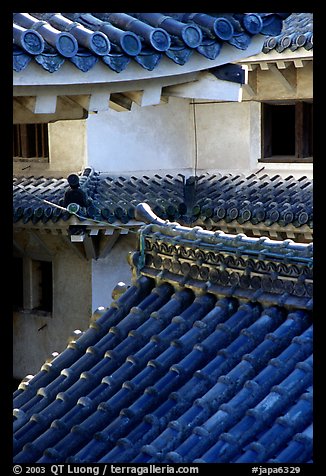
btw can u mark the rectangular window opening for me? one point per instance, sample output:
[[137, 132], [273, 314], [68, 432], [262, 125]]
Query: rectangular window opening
[[30, 141], [42, 285], [287, 132]]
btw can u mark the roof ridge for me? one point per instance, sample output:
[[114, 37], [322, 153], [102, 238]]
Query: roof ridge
[[224, 263]]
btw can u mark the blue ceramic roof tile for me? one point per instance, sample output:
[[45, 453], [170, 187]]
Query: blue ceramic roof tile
[[229, 444], [298, 449], [116, 39], [297, 32], [286, 426], [211, 200], [182, 370]]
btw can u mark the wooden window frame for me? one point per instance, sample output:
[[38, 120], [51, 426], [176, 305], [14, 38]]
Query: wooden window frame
[[303, 133], [31, 142]]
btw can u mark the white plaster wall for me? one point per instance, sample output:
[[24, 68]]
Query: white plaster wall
[[36, 337], [107, 272], [67, 146], [228, 136], [145, 138]]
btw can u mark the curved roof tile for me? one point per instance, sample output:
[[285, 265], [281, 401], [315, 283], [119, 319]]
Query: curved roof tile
[[210, 199], [85, 38], [297, 32]]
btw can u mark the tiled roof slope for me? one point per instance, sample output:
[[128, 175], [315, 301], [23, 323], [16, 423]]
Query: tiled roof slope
[[207, 357], [211, 200], [118, 38], [297, 32]]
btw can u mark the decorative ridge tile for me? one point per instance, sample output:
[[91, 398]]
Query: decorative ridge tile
[[258, 267]]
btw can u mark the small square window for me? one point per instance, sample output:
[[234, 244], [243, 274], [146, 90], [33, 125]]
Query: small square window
[[30, 141], [287, 132]]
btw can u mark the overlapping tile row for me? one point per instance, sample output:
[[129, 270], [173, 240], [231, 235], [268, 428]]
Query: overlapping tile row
[[174, 372], [297, 32], [276, 272], [211, 200], [118, 38]]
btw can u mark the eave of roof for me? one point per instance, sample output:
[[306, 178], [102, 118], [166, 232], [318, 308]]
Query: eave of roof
[[85, 39]]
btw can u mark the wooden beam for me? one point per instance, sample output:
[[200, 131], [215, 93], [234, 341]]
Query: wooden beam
[[252, 66], [207, 87], [135, 96], [282, 64], [26, 102], [23, 111], [286, 82], [251, 87], [82, 100], [77, 238], [120, 102], [90, 247], [151, 95], [298, 63], [264, 66], [46, 104]]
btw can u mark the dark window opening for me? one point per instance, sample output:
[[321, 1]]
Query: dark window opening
[[17, 285], [30, 141], [287, 131], [43, 283]]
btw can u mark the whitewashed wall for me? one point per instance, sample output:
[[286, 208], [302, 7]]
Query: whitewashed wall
[[143, 139], [67, 146], [36, 337], [106, 273], [228, 136]]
